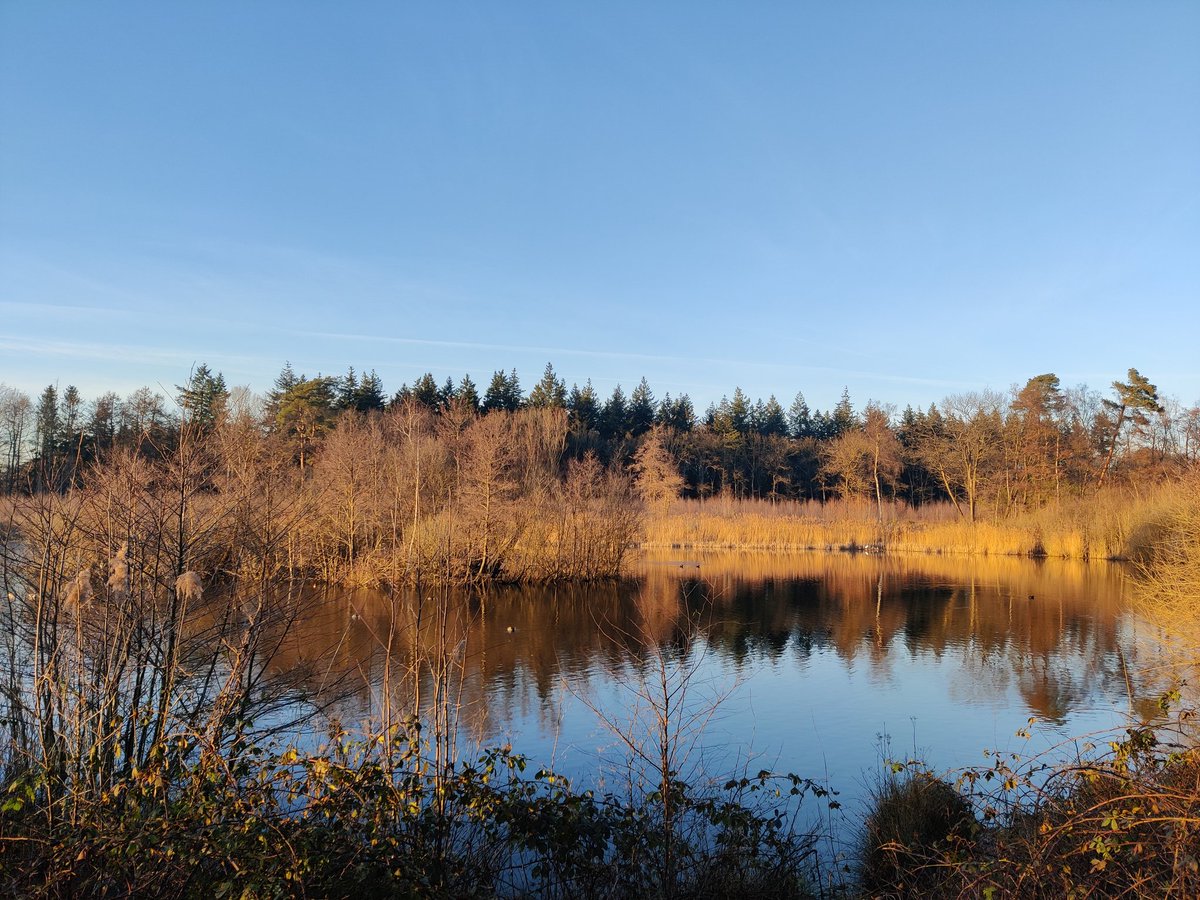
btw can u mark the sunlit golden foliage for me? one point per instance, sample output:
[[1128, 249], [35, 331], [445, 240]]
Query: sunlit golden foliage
[[406, 496], [1107, 525], [414, 497], [1167, 589]]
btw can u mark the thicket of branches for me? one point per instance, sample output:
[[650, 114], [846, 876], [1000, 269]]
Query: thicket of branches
[[396, 496]]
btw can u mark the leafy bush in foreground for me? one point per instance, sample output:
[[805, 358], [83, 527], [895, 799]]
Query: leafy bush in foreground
[[1126, 824], [370, 817]]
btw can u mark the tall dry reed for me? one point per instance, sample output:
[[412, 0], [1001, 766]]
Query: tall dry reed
[[1108, 525]]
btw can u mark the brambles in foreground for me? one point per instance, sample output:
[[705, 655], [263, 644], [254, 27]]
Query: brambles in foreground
[[1126, 823], [373, 817]]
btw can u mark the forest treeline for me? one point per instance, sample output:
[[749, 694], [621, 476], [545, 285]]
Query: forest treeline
[[977, 450]]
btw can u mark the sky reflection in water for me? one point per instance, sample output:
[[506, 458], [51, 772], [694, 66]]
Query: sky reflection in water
[[813, 658]]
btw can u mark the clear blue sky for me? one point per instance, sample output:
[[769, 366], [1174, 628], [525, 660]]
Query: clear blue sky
[[909, 199]]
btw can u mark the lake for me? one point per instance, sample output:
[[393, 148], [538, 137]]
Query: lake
[[821, 664]]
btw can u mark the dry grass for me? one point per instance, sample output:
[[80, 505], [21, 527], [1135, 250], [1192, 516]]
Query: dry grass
[[1167, 586], [1109, 525]]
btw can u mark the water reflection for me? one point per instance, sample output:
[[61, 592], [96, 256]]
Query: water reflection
[[827, 649]]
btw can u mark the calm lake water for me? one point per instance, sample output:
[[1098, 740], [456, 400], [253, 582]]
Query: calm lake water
[[818, 664]]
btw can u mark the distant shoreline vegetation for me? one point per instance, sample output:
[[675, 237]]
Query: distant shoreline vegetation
[[327, 479]]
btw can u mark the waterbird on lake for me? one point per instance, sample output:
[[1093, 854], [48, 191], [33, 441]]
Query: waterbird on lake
[[510, 629]]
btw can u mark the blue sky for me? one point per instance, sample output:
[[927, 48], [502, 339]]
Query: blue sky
[[907, 199]]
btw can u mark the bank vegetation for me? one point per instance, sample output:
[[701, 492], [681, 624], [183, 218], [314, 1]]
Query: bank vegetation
[[1121, 820], [438, 483]]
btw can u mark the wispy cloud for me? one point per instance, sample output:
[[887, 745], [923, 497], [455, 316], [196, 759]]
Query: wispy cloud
[[106, 352], [642, 357], [60, 309]]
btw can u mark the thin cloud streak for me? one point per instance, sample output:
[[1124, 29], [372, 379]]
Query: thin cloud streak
[[20, 306], [116, 352], [617, 354]]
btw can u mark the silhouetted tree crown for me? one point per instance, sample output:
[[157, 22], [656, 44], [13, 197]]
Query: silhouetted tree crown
[[503, 392], [584, 406], [468, 393], [203, 398], [551, 391]]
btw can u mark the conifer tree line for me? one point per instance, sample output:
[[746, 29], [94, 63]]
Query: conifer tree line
[[978, 450]]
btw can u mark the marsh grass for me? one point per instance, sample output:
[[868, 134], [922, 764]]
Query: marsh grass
[[1168, 560], [1107, 525], [914, 817]]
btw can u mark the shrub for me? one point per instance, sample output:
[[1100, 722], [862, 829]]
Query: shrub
[[914, 818]]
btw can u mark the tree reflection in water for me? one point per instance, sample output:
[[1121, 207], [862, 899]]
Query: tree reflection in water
[[829, 651]]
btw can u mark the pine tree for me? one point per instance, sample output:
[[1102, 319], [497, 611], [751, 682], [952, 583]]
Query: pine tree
[[758, 415], [1135, 398], [504, 392], [911, 423], [468, 393], [678, 414], [641, 409], [685, 413], [515, 400], [425, 391], [370, 396], [446, 392], [286, 379], [305, 412], [739, 411], [347, 390], [494, 398], [46, 422], [284, 382], [823, 428], [800, 422], [103, 421], [614, 416], [70, 415], [203, 397], [843, 418], [771, 420], [402, 395], [551, 391], [584, 407]]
